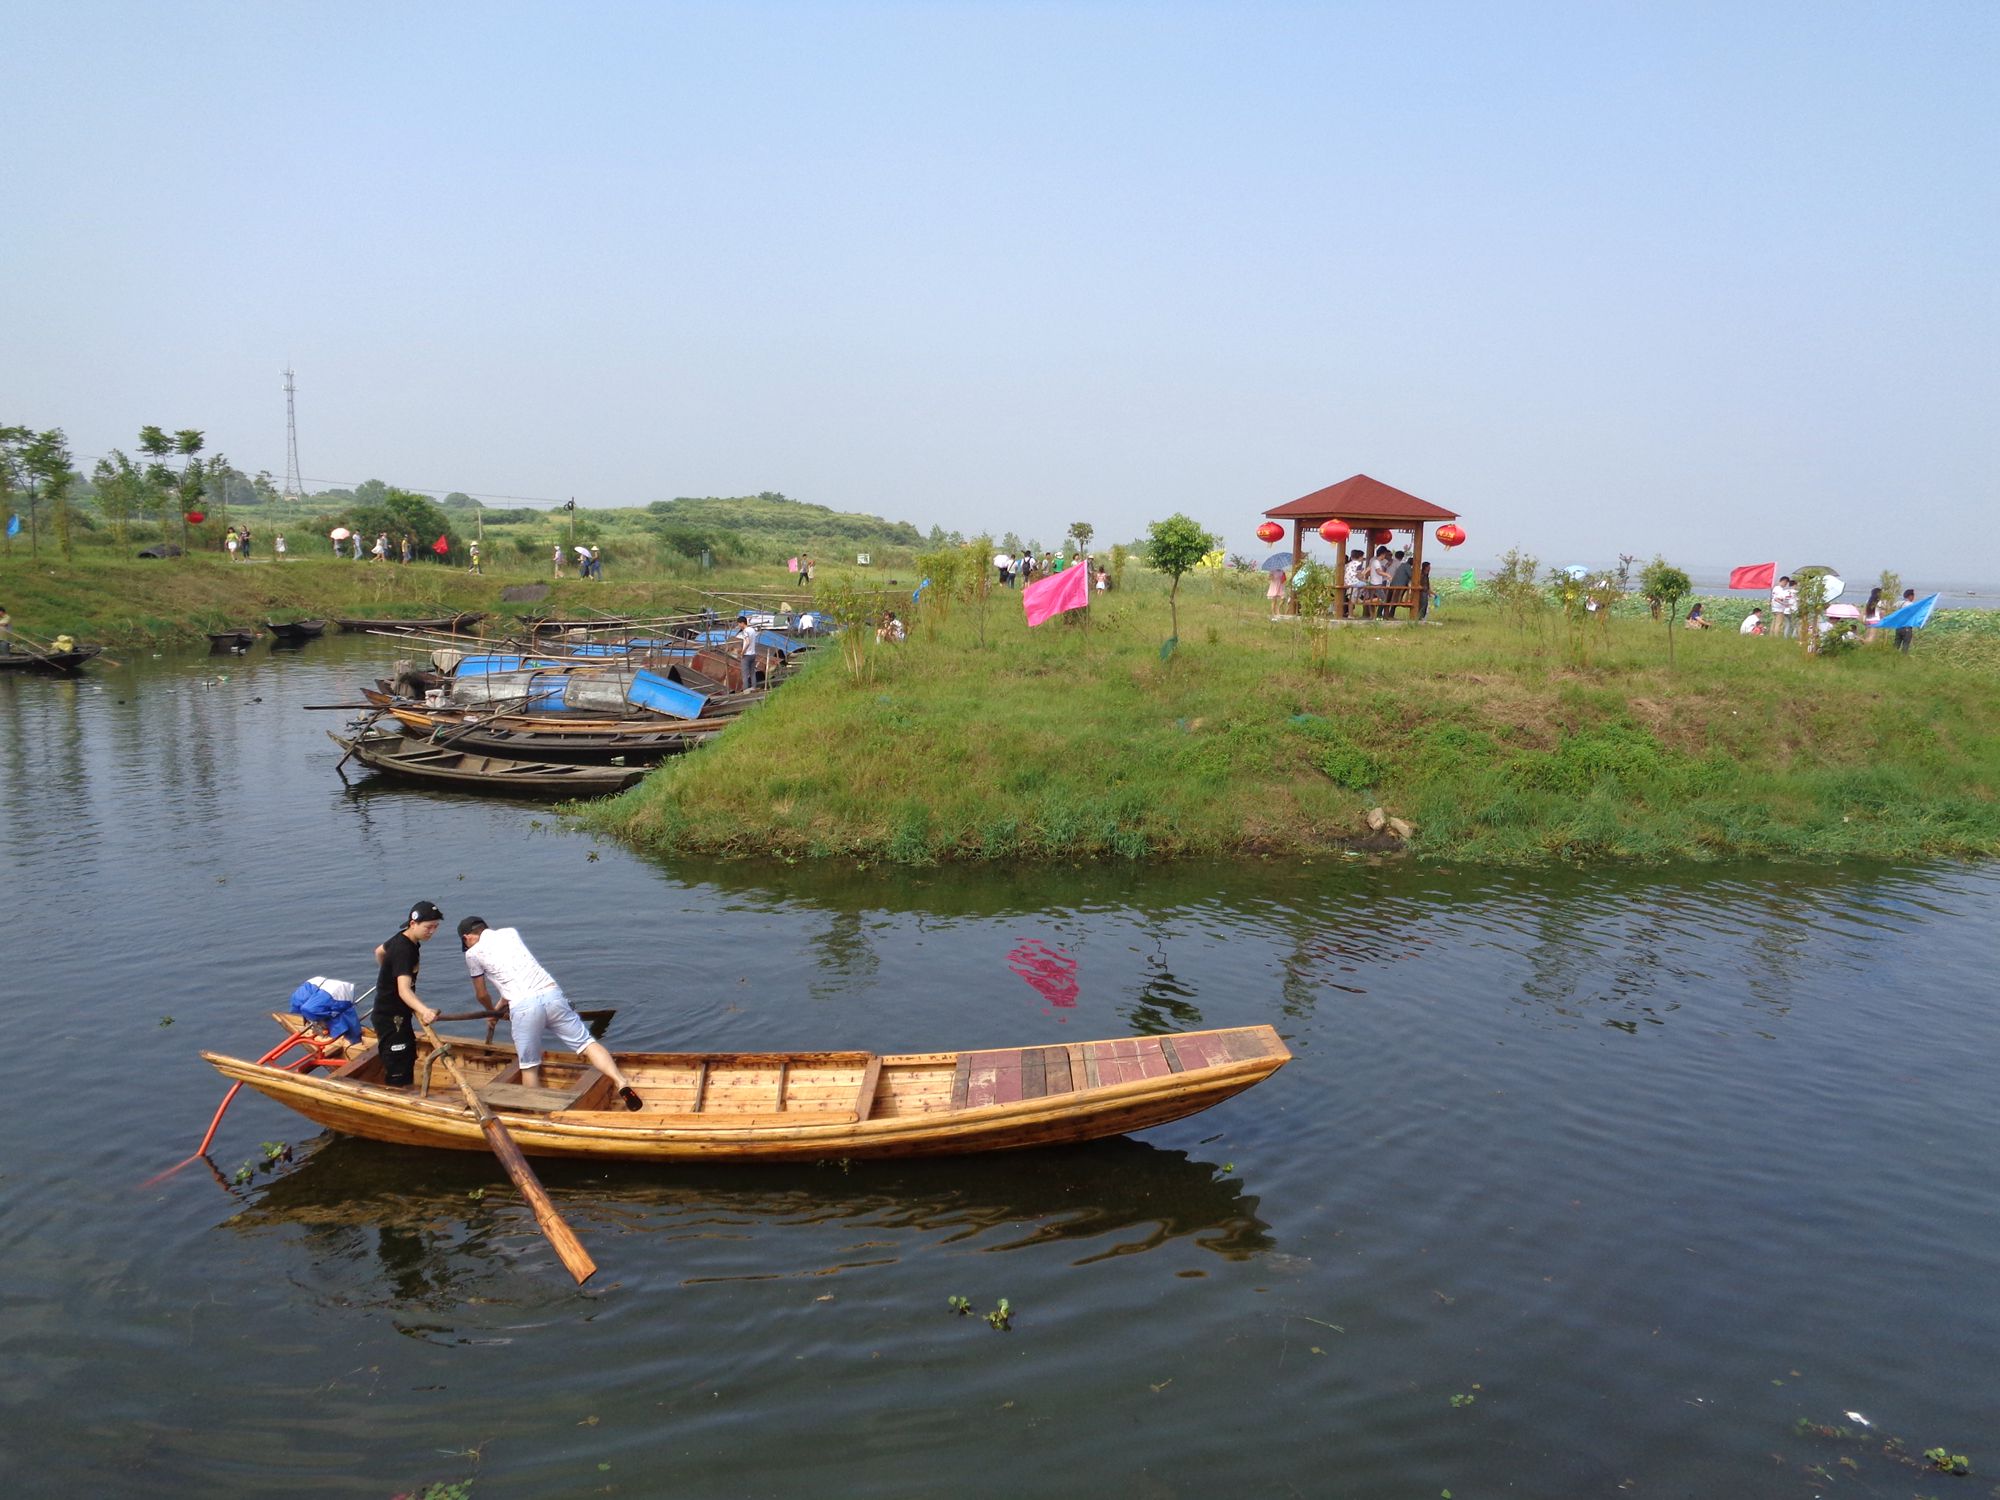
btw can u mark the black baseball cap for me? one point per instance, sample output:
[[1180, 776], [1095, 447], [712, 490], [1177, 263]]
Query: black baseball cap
[[470, 925], [424, 911]]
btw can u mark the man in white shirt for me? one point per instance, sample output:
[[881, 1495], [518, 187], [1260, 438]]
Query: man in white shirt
[[1753, 623], [746, 636], [1784, 606], [533, 1003]]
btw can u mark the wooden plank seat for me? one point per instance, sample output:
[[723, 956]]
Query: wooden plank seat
[[508, 1092]]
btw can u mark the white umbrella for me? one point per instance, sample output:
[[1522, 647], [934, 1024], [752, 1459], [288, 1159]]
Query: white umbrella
[[340, 533]]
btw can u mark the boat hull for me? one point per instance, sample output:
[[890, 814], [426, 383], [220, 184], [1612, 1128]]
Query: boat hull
[[919, 1104]]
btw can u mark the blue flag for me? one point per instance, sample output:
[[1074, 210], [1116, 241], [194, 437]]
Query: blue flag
[[1910, 616], [14, 524]]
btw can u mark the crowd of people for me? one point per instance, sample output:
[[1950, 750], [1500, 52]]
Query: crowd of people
[[1784, 622], [1019, 572]]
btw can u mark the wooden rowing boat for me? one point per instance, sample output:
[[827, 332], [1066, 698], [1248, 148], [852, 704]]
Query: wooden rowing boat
[[54, 663], [295, 630], [786, 1106], [397, 754]]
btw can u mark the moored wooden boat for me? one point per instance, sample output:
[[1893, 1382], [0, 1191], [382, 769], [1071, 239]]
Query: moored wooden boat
[[397, 754], [51, 663], [231, 640], [787, 1106], [295, 630]]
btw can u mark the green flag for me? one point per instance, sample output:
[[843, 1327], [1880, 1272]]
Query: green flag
[[1466, 580]]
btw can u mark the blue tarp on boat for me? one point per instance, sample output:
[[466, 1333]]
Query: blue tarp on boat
[[651, 690]]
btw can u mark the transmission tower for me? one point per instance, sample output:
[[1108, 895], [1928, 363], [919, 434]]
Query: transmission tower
[[294, 485]]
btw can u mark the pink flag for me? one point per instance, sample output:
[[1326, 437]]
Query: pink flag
[[1756, 576], [792, 566], [1069, 589]]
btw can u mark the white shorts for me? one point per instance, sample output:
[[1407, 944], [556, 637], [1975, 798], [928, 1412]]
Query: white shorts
[[548, 1011]]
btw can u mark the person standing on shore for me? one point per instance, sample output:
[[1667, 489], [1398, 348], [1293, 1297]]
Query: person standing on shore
[[1871, 612], [1784, 603], [396, 999], [1906, 634]]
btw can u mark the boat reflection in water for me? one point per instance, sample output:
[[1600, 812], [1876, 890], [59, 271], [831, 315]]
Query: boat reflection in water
[[439, 1223]]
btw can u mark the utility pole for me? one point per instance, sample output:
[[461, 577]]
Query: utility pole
[[294, 484]]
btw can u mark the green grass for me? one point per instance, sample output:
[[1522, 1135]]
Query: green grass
[[1080, 743]]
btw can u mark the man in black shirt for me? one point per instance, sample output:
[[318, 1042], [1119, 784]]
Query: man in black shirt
[[396, 995]]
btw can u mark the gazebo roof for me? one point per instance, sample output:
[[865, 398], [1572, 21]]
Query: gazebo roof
[[1361, 499]]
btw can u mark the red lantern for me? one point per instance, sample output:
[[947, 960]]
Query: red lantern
[[1336, 532], [1381, 536], [1270, 531], [1450, 534], [196, 517]]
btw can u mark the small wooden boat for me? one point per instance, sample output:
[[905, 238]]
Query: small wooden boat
[[17, 658], [783, 1106], [231, 640], [397, 754], [292, 631], [442, 624]]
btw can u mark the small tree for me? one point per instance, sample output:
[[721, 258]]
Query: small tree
[[1664, 586], [1317, 592], [46, 458], [14, 478], [121, 491], [1811, 584], [1519, 590], [1172, 547], [853, 608], [1119, 556], [1083, 531]]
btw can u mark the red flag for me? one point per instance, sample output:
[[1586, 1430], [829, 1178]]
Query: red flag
[[440, 546], [1756, 576], [1069, 589]]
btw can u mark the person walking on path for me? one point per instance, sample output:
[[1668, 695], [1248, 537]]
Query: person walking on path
[[556, 557], [472, 552], [278, 546], [533, 1003], [229, 544], [396, 999]]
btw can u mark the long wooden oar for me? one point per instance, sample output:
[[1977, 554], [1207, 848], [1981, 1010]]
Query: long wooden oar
[[569, 1249]]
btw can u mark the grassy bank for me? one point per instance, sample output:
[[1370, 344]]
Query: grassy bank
[[1490, 736], [123, 601]]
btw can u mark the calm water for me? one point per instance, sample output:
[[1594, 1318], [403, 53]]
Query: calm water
[[1648, 1166]]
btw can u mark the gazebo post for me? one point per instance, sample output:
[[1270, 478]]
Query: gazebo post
[[1292, 581], [1417, 570]]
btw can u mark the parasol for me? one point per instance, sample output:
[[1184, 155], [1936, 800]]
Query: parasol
[[340, 533], [1277, 562]]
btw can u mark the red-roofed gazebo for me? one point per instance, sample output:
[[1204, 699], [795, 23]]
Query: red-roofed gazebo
[[1367, 505]]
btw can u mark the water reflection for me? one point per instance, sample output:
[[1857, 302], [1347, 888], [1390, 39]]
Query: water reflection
[[435, 1223]]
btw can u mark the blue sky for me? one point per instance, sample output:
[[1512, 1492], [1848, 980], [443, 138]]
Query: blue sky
[[1712, 280]]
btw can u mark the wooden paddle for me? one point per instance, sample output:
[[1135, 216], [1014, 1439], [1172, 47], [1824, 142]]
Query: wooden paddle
[[568, 1248]]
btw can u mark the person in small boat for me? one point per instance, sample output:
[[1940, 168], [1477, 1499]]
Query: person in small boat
[[533, 1003], [396, 994]]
